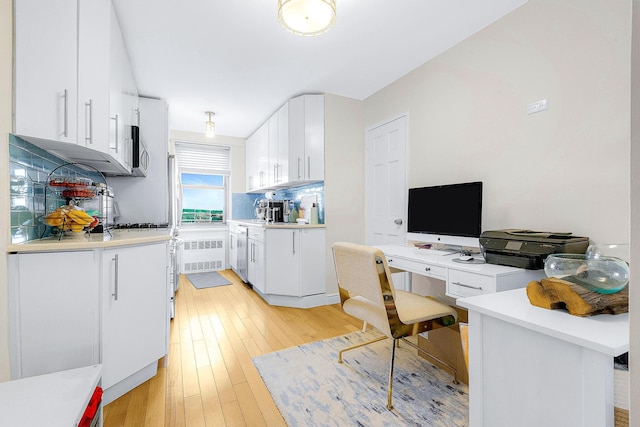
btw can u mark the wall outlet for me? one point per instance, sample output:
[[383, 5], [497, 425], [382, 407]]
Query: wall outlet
[[536, 107]]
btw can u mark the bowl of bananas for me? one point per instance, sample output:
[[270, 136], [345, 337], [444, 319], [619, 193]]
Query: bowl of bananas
[[71, 219]]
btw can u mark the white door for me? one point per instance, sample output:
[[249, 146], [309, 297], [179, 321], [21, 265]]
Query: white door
[[386, 188], [386, 183]]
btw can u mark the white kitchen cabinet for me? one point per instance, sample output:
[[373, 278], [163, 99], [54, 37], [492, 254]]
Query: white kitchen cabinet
[[257, 155], [71, 309], [53, 312], [288, 149], [306, 138], [120, 104], [94, 41], [256, 273], [46, 69], [295, 261], [312, 262], [252, 163], [134, 309], [63, 71], [283, 261]]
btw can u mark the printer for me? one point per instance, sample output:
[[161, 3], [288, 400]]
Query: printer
[[527, 249]]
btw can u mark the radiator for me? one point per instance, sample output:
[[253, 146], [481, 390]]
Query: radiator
[[202, 255]]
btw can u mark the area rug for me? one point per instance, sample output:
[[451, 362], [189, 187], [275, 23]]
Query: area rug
[[310, 387], [208, 279]]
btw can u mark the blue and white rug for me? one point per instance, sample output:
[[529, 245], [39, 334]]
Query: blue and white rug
[[310, 387]]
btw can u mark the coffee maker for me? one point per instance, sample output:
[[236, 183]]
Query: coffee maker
[[270, 211]]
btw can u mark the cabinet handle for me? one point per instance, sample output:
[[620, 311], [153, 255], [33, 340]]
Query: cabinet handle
[[90, 121], [308, 167], [66, 113], [137, 110], [231, 242], [427, 269], [116, 281], [116, 120], [299, 167], [275, 173], [293, 241], [478, 288]]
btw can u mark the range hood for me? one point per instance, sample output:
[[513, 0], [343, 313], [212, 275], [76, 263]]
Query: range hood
[[74, 153]]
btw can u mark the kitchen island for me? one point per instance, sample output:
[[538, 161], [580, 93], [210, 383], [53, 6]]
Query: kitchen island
[[84, 300]]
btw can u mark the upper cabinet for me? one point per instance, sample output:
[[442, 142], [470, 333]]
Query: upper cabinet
[[93, 74], [46, 69], [64, 66], [293, 142]]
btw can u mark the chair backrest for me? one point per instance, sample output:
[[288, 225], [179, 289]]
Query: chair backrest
[[358, 267]]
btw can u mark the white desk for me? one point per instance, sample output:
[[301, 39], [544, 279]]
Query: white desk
[[462, 280], [529, 366]]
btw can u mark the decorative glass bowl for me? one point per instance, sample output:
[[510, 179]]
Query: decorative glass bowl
[[602, 274]]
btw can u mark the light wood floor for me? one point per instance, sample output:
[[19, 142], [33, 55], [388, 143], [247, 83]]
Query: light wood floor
[[210, 379]]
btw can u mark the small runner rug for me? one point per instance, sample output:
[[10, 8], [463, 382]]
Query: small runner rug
[[208, 279], [310, 387]]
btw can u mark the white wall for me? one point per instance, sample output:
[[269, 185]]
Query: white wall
[[344, 176], [6, 104], [565, 169]]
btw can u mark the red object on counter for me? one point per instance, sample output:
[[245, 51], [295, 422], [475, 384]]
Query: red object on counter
[[92, 408]]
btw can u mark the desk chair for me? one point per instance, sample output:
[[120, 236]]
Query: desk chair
[[367, 293]]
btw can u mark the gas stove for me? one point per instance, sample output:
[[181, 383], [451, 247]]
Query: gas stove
[[141, 225]]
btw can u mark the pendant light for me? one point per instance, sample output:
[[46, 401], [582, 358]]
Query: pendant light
[[307, 17], [210, 126]]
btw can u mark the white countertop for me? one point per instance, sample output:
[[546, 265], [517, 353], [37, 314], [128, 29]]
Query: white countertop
[[606, 333], [256, 223], [94, 240], [57, 399]]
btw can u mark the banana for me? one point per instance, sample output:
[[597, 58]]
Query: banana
[[80, 217]]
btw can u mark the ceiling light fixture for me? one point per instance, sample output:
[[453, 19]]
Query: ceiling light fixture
[[210, 126], [307, 17]]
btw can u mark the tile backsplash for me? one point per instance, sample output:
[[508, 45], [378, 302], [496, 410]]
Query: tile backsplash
[[30, 169], [243, 206]]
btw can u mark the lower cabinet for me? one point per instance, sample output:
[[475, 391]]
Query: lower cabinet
[[134, 310], [73, 309], [295, 261]]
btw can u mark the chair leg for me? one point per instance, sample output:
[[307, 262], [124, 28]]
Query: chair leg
[[364, 326], [384, 337], [421, 350], [390, 387]]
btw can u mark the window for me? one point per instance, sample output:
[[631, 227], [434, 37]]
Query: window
[[203, 174]]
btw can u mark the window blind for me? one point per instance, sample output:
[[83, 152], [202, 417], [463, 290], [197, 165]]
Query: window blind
[[201, 158]]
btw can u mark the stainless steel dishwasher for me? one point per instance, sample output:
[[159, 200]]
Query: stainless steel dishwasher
[[241, 233]]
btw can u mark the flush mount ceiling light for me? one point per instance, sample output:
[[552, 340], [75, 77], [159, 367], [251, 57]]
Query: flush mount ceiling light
[[307, 17], [210, 126]]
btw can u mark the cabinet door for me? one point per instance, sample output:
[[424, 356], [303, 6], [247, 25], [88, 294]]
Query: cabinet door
[[54, 312], [262, 158], [312, 262], [296, 139], [314, 137], [116, 91], [273, 162], [283, 262], [135, 309], [46, 69], [283, 144], [94, 29], [252, 163]]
